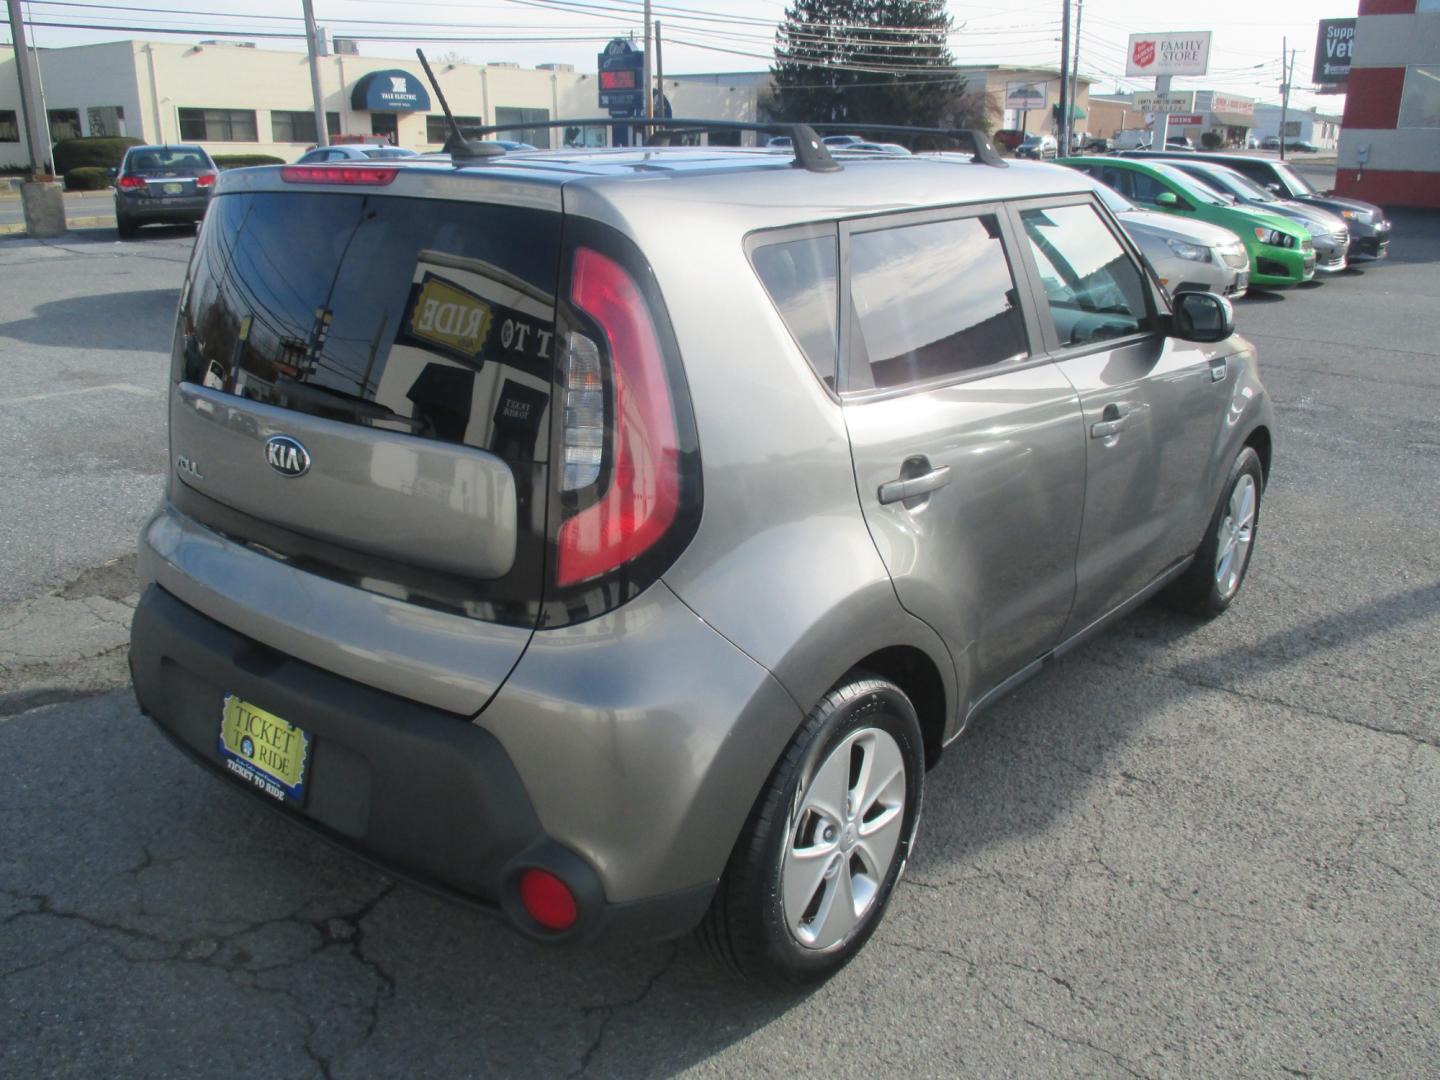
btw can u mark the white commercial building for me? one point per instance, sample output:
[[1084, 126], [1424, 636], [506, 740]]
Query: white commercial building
[[1305, 125], [235, 99]]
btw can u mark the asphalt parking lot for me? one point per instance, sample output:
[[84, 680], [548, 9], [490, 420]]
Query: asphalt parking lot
[[1184, 850]]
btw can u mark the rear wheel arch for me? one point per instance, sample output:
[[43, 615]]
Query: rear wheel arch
[[917, 674]]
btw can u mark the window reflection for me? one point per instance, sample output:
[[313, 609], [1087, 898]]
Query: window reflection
[[932, 300], [404, 314]]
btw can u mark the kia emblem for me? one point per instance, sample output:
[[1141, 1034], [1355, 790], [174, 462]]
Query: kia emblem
[[287, 456]]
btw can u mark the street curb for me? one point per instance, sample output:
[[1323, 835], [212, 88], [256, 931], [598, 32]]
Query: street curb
[[18, 229]]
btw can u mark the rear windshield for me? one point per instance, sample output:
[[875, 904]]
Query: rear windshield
[[430, 318], [167, 158]]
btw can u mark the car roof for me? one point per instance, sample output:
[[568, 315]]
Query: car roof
[[645, 190]]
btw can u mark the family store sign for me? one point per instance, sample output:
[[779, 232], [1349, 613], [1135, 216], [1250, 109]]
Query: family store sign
[[1169, 54]]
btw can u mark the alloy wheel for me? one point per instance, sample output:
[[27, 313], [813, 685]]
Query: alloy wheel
[[844, 837], [1237, 530]]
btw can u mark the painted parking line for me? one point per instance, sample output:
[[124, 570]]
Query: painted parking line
[[113, 388]]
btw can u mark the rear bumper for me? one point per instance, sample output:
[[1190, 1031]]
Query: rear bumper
[[425, 794], [147, 208]]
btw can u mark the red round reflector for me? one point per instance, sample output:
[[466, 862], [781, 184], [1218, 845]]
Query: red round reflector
[[548, 900]]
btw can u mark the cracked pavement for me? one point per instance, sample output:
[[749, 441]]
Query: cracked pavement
[[1181, 851]]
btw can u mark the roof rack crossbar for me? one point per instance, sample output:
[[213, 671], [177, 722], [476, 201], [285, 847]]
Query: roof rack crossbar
[[982, 148], [810, 153]]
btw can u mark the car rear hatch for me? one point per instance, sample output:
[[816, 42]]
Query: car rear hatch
[[361, 387], [167, 173]]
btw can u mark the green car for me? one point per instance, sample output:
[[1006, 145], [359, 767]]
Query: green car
[[1281, 251]]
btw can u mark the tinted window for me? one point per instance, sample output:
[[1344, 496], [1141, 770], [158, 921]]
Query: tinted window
[[1137, 186], [800, 276], [930, 301], [1296, 183], [1095, 290], [167, 159], [429, 318]]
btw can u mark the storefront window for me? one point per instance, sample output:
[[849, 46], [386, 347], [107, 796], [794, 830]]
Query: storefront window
[[538, 136], [106, 120], [299, 127], [218, 125], [9, 126], [438, 131], [64, 124], [590, 136]]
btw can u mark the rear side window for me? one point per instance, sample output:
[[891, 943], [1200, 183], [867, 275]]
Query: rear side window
[[931, 301], [1139, 187], [801, 276], [428, 318], [1095, 290]]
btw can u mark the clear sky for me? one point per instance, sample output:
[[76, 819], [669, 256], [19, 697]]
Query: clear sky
[[728, 35]]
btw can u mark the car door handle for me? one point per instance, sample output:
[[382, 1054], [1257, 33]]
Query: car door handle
[[1113, 419], [910, 487]]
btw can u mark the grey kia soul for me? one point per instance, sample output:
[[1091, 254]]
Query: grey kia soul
[[615, 537]]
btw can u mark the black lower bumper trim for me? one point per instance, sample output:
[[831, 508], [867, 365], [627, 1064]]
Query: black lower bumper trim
[[424, 795]]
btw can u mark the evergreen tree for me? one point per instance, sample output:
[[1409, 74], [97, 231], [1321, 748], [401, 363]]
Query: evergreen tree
[[868, 61]]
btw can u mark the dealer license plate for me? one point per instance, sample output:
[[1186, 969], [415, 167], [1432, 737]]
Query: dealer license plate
[[173, 189], [258, 746]]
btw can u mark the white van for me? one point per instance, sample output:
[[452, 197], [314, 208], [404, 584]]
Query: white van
[[1133, 139]]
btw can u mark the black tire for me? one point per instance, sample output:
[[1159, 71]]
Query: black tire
[[125, 227], [1198, 592], [745, 929]]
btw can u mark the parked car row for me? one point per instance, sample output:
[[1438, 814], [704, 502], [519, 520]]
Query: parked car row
[[1290, 231]]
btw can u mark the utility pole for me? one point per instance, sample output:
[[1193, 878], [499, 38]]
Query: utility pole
[[1065, 80], [649, 92], [42, 203], [322, 131], [1075, 69], [1285, 66], [659, 70], [29, 103]]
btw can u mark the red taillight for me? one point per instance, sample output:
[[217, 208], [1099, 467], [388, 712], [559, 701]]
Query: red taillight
[[205, 180], [548, 900], [372, 175], [130, 183], [643, 494]]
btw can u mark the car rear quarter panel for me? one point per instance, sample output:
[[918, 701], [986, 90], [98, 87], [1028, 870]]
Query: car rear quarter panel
[[783, 564]]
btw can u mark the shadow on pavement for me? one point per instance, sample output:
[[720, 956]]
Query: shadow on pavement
[[142, 321], [1414, 237]]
